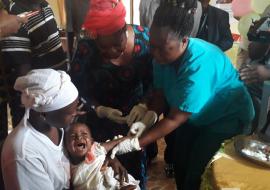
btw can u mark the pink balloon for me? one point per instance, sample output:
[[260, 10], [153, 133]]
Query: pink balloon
[[241, 7]]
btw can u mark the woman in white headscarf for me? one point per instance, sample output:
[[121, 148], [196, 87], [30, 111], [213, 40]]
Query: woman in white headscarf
[[32, 156]]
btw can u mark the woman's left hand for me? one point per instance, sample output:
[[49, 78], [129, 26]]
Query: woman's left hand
[[118, 169]]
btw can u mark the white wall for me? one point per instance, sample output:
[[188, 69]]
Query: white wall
[[59, 12], [132, 15]]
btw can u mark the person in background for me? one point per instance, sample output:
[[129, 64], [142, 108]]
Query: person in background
[[88, 159], [215, 27], [113, 72], [255, 70], [9, 24], [37, 43], [148, 8], [254, 73], [147, 11], [208, 103], [75, 14]]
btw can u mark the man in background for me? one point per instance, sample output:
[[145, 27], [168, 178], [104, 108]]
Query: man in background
[[75, 13], [9, 24], [214, 26], [148, 8], [36, 45]]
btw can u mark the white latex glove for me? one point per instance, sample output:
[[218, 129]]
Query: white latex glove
[[128, 145], [136, 114], [150, 118], [137, 129], [110, 113]]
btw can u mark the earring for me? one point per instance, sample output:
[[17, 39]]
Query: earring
[[184, 40]]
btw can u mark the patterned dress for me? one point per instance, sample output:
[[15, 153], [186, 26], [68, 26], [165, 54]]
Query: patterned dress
[[119, 87]]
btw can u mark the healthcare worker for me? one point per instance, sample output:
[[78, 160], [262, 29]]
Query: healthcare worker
[[208, 103]]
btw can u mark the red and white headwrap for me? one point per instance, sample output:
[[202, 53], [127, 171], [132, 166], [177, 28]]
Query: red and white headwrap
[[104, 17]]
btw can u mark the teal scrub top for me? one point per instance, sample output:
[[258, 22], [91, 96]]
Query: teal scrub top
[[204, 82]]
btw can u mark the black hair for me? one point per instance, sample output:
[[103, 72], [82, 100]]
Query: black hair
[[178, 15]]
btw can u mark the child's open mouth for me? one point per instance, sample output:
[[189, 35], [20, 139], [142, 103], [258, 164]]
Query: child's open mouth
[[81, 146]]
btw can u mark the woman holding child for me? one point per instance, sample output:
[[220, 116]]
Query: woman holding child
[[33, 153]]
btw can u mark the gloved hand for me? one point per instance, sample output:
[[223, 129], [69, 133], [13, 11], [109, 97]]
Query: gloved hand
[[128, 145], [137, 129], [149, 120], [110, 113], [136, 114]]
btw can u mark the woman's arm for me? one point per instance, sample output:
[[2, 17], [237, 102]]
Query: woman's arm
[[174, 119], [111, 144], [26, 174]]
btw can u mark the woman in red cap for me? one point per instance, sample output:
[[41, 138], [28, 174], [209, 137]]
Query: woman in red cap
[[113, 72]]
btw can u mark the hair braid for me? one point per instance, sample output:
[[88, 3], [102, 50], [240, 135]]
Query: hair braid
[[177, 15]]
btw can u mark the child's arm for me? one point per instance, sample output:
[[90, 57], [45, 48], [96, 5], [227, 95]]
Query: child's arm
[[111, 144]]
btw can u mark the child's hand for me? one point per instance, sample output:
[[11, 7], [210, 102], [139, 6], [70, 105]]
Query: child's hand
[[119, 169], [104, 165], [137, 129]]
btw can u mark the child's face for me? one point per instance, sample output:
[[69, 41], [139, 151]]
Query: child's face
[[78, 140]]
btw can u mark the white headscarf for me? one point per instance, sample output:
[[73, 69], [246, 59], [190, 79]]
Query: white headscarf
[[45, 90]]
